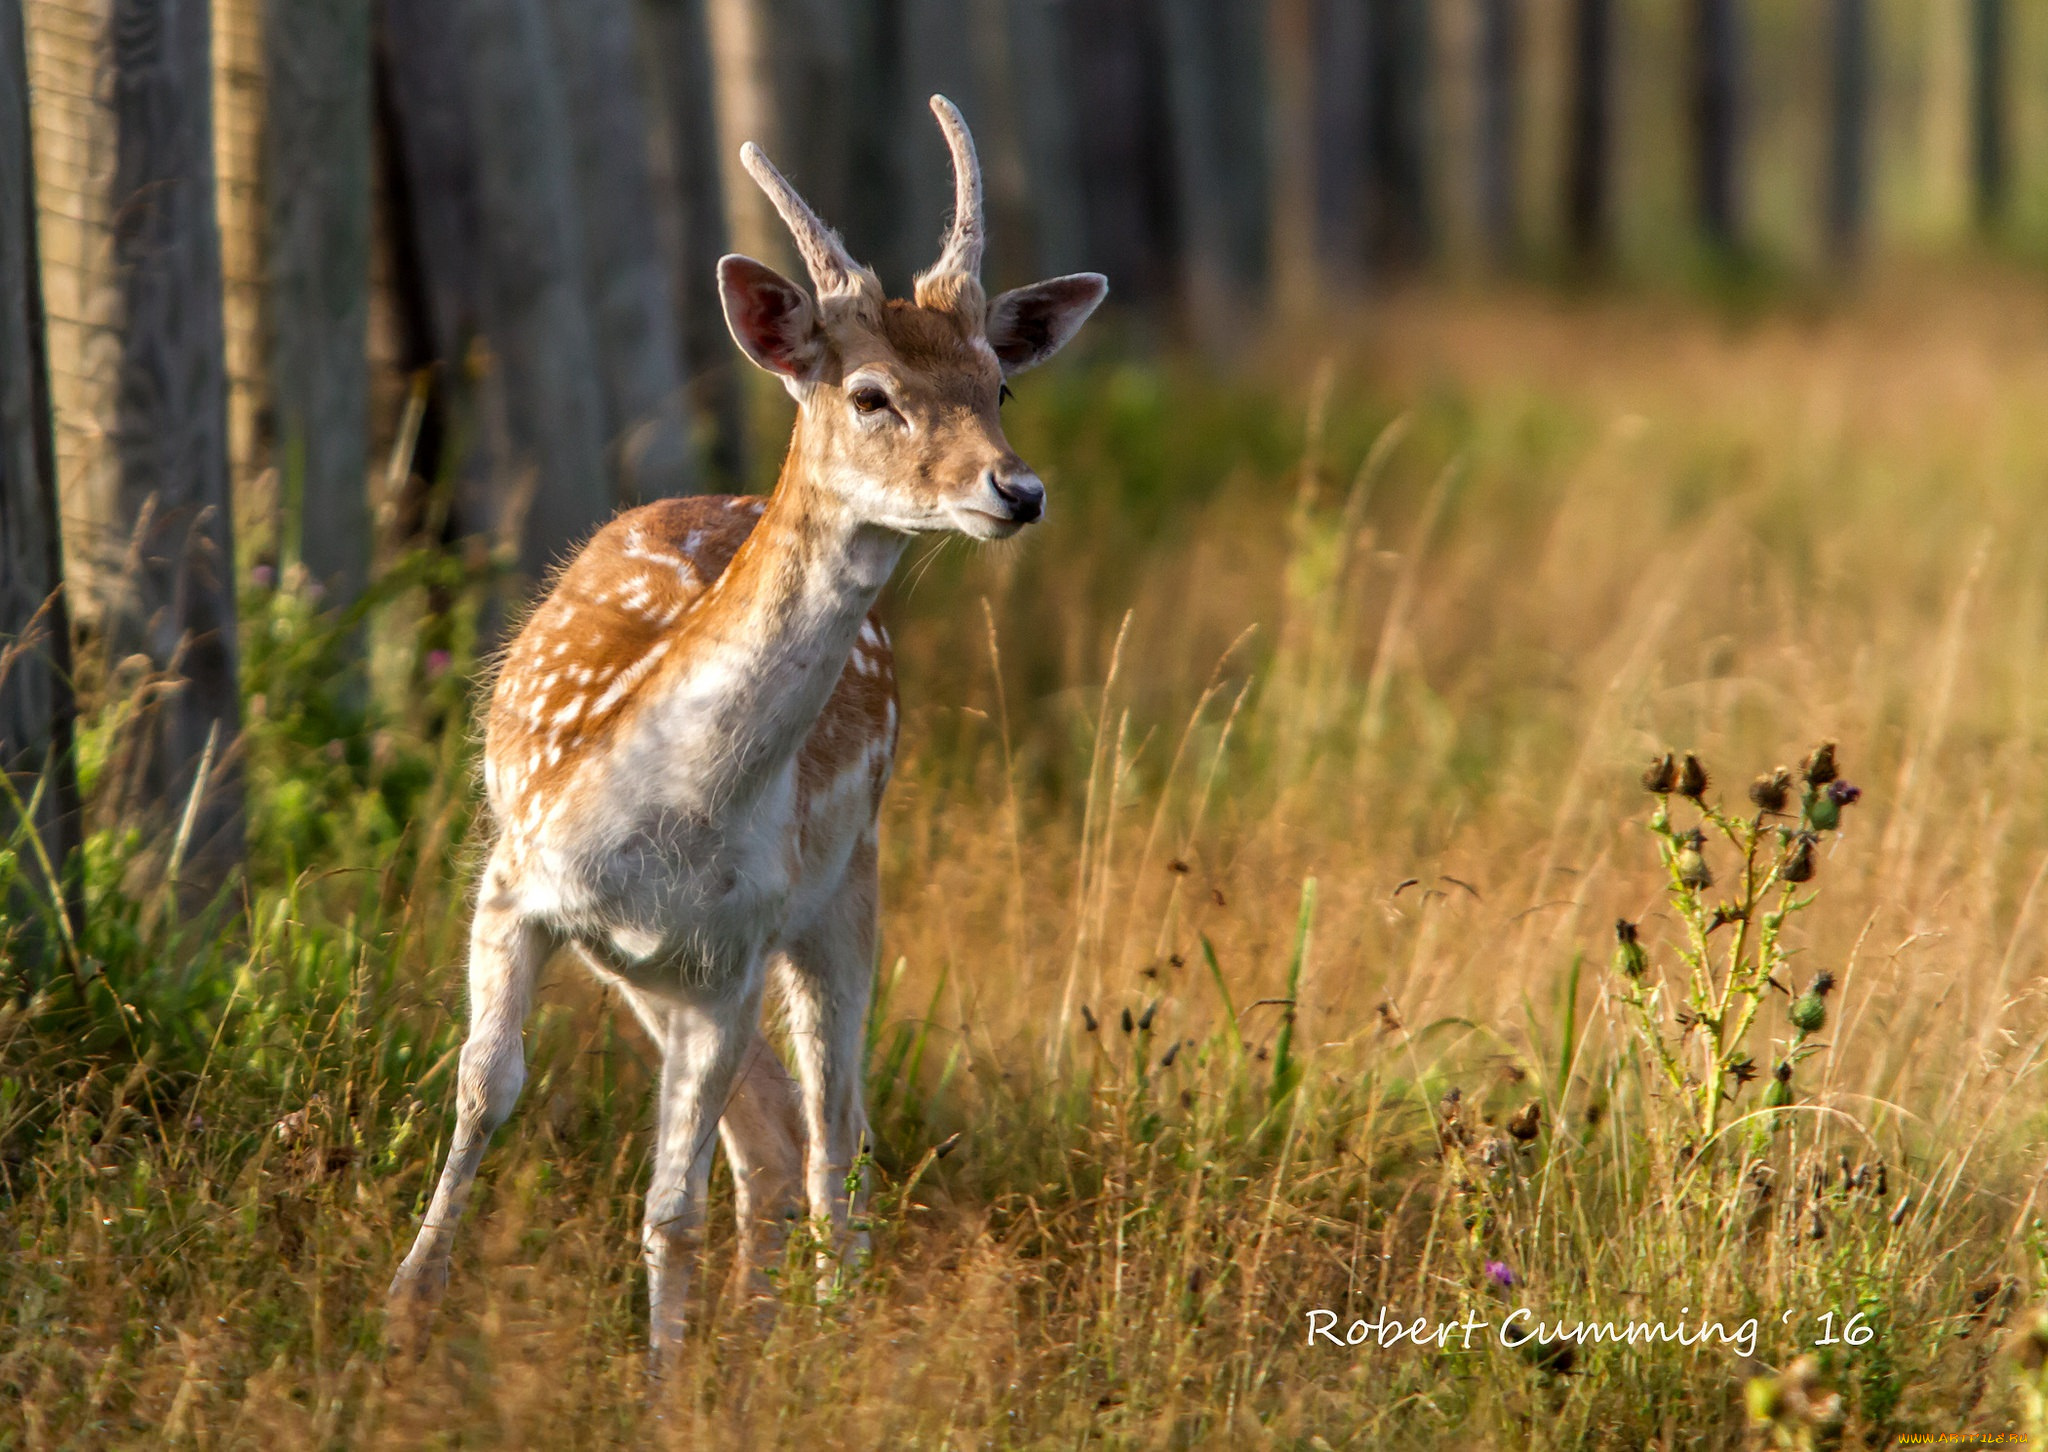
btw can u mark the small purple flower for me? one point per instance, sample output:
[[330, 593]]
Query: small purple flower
[[1498, 1272], [1842, 794], [263, 576], [438, 662], [335, 751]]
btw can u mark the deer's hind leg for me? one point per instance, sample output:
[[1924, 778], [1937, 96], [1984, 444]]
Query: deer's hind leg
[[506, 952], [763, 1132]]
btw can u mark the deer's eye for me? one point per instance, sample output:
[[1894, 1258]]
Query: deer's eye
[[869, 399]]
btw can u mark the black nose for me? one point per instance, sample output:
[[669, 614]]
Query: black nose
[[1022, 493]]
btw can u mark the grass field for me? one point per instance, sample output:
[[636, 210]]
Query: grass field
[[1283, 783]]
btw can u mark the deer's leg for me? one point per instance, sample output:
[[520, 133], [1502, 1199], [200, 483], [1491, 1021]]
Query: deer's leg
[[506, 951], [763, 1132], [826, 976], [703, 1050]]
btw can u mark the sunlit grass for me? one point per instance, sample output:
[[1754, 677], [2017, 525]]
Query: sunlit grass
[[1284, 782]]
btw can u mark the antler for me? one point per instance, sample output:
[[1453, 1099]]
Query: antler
[[833, 270], [962, 252]]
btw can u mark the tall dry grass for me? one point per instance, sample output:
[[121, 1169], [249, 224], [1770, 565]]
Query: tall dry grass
[[1399, 612]]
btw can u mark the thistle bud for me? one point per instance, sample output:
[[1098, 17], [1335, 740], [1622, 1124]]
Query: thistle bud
[[1777, 1094], [1630, 961], [1820, 767], [1661, 775], [1809, 1014], [1693, 780], [1693, 871], [1772, 790], [1799, 866], [1824, 809], [1823, 984]]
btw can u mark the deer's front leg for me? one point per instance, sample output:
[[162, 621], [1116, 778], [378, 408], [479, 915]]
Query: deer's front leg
[[703, 1046], [506, 951], [826, 977]]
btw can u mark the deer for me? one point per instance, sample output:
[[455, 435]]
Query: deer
[[688, 740]]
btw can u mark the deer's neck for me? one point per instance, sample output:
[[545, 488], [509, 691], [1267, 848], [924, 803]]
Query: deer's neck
[[768, 642]]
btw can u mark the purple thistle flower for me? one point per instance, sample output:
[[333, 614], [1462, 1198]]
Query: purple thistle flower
[[1842, 794], [263, 576], [1498, 1272], [438, 662]]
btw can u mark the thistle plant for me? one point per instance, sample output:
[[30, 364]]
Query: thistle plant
[[1735, 879]]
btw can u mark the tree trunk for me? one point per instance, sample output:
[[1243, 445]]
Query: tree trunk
[[1500, 104], [1340, 41], [1989, 119], [1589, 131], [1397, 132], [1042, 84], [317, 194], [175, 601], [679, 47], [1848, 128], [37, 709], [1125, 162], [625, 276], [1717, 119], [1216, 61], [543, 346]]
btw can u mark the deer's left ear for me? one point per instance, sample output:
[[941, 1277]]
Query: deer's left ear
[[1027, 325]]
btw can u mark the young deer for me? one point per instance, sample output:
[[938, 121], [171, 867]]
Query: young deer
[[688, 741]]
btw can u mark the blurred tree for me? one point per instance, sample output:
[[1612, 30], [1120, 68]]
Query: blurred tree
[[1216, 60], [1990, 125], [173, 604], [1499, 133], [1848, 127], [1124, 161], [1717, 99], [1041, 79], [691, 192], [1372, 143], [626, 279], [316, 189], [543, 346], [37, 708], [1589, 130]]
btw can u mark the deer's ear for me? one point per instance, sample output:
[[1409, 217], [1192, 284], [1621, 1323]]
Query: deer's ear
[[772, 319], [1027, 325]]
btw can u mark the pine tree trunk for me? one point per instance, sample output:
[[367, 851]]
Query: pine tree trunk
[[1589, 131], [1216, 83], [1848, 127], [1397, 133], [1125, 160], [625, 275], [1717, 119], [317, 195], [1500, 103], [553, 487], [37, 709], [679, 46], [174, 603], [1990, 125]]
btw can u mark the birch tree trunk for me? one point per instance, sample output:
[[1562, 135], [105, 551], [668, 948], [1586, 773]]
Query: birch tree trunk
[[679, 49], [174, 602], [543, 346], [626, 284], [37, 709], [317, 198]]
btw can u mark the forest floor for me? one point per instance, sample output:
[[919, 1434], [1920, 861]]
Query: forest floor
[[1270, 792]]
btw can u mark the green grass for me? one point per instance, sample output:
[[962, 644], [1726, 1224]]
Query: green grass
[[1337, 866]]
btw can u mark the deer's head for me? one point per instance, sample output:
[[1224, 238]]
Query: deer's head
[[898, 402]]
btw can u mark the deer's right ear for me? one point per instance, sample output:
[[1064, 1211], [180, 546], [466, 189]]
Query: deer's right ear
[[772, 319]]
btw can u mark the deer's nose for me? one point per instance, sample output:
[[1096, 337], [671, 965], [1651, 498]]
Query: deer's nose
[[1020, 492]]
